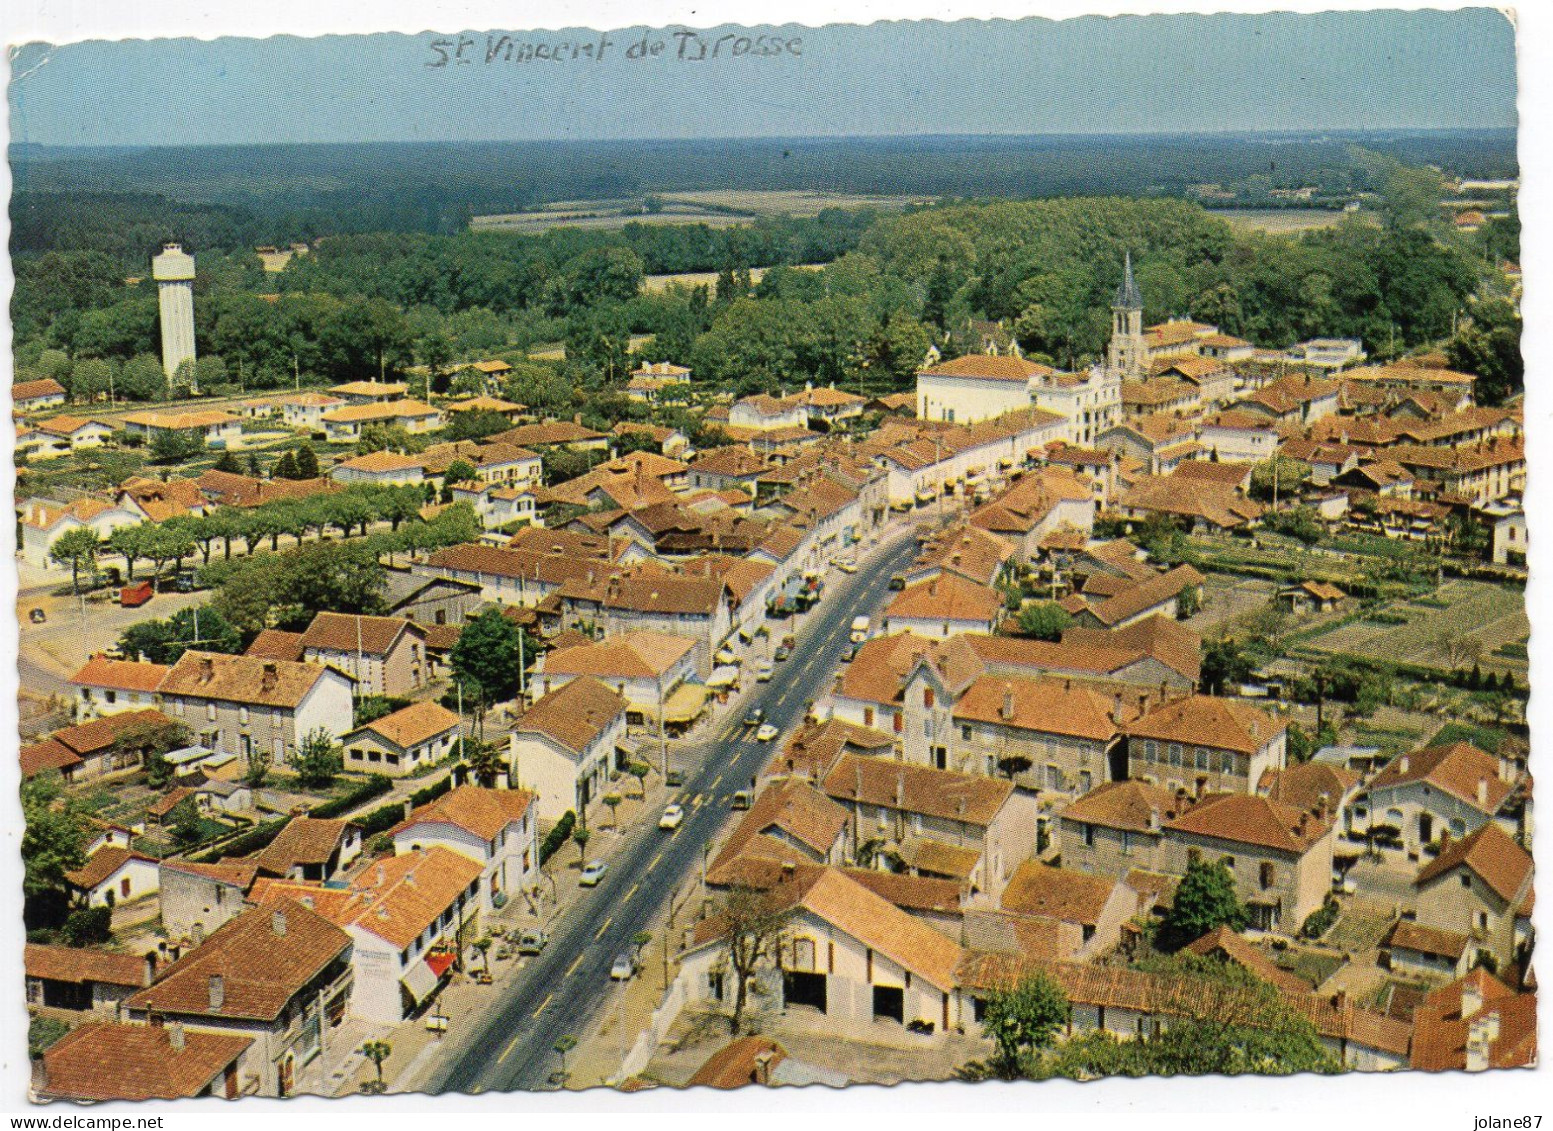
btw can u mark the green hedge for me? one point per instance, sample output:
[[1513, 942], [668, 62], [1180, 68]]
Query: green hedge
[[374, 786], [386, 817], [252, 841], [556, 837]]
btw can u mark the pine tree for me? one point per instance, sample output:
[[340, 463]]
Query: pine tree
[[285, 467], [228, 463]]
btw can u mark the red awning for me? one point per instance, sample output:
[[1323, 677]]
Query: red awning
[[440, 963]]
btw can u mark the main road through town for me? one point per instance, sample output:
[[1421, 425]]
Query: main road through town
[[564, 989]]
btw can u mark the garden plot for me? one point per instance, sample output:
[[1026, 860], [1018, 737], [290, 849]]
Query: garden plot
[[1475, 614]]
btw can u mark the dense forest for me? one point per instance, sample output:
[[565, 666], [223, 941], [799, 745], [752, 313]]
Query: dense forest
[[1398, 276], [281, 193]]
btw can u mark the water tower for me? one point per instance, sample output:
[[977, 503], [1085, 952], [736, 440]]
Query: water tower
[[173, 271]]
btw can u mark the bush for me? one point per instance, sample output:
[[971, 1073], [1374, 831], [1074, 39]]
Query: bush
[[1319, 922], [88, 926], [557, 836]]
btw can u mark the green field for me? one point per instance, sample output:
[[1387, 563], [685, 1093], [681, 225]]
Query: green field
[[1478, 613]]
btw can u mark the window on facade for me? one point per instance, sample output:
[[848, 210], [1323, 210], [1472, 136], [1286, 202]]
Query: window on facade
[[1268, 875], [1201, 758], [1089, 836], [868, 716], [1175, 754], [898, 722], [1466, 880], [110, 696], [965, 732], [242, 715], [927, 697], [1226, 762], [1126, 843]]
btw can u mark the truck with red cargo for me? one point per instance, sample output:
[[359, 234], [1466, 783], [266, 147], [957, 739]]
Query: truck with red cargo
[[133, 596]]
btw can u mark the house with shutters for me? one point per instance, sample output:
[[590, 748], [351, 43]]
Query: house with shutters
[[408, 919], [1204, 744], [565, 746], [1480, 887], [384, 655], [111, 687], [1116, 829], [279, 976], [113, 875], [240, 704], [1423, 796], [1279, 856], [1098, 905], [964, 827], [496, 828]]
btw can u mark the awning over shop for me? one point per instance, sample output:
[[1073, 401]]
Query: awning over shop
[[440, 964], [420, 980], [685, 703], [727, 676]]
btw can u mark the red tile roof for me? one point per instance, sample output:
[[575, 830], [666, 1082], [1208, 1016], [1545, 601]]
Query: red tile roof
[[99, 1062]]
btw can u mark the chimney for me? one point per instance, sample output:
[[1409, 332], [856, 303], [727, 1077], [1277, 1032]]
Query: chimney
[[217, 992], [382, 876], [763, 1067], [307, 902], [207, 669], [1482, 793], [1116, 708], [1008, 703], [1153, 818], [900, 789], [271, 676], [577, 418], [278, 924], [1471, 997], [788, 868], [1323, 803], [409, 808], [149, 974], [1340, 1000], [175, 1036]]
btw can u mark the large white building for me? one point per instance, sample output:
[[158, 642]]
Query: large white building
[[173, 271]]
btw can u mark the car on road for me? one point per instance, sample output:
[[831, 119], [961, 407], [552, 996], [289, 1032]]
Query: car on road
[[624, 968], [532, 942], [897, 582], [845, 565], [763, 672], [782, 653], [742, 799], [756, 716], [674, 779], [860, 627], [37, 616], [849, 653], [672, 817], [592, 873], [766, 733]]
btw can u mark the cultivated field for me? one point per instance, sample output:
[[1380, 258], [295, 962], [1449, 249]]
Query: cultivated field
[[755, 202], [722, 208], [654, 283], [1280, 221], [1490, 615]]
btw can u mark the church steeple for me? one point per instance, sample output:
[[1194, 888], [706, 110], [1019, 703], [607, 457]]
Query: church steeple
[[1128, 297], [1127, 351]]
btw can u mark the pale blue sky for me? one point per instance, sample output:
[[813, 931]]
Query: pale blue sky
[[1280, 71]]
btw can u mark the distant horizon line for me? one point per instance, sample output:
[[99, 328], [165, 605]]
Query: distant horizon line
[[1242, 132]]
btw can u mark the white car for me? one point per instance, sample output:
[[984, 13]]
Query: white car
[[766, 733], [672, 816], [845, 565]]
